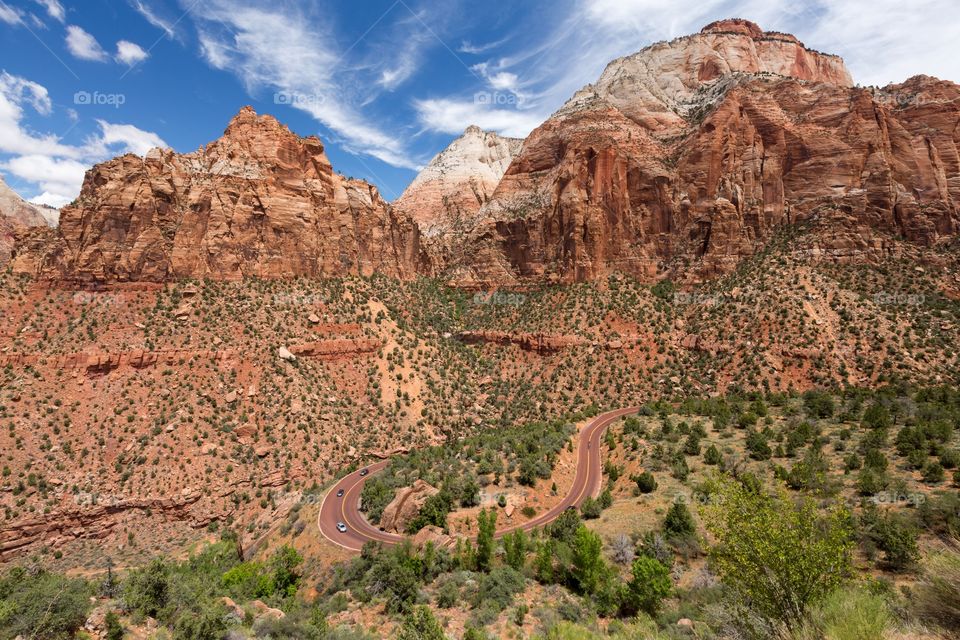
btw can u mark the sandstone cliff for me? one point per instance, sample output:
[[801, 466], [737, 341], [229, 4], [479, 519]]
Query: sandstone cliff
[[458, 181], [260, 201], [688, 156], [15, 215]]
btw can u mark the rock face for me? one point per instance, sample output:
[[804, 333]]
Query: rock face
[[15, 215], [458, 181], [25, 213], [687, 157], [406, 506], [260, 201]]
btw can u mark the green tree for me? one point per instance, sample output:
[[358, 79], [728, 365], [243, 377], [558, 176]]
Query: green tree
[[877, 416], [648, 586], [781, 556], [283, 564], [588, 565], [712, 456], [420, 624], [543, 562], [515, 549], [487, 524], [147, 589], [679, 521]]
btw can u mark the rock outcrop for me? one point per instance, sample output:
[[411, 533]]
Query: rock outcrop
[[260, 201], [16, 215], [458, 181], [687, 157], [406, 506]]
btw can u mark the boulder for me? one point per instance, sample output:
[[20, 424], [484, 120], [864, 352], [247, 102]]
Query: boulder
[[406, 506]]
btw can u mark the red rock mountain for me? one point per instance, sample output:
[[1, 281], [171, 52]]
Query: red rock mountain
[[260, 201], [680, 161], [459, 180], [686, 157]]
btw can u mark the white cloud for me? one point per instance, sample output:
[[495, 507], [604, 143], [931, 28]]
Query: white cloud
[[123, 138], [129, 53], [289, 53], [54, 9], [154, 18], [55, 176], [84, 46], [57, 168], [51, 200], [452, 116], [10, 15]]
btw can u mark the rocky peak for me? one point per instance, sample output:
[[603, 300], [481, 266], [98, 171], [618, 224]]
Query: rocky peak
[[661, 84], [459, 180], [260, 201], [736, 26]]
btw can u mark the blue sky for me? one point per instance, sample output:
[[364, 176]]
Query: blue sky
[[386, 84]]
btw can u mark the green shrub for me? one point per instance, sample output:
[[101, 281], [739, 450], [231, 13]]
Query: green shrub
[[646, 483], [590, 508], [679, 521], [712, 456], [933, 473], [42, 605], [781, 556], [648, 586], [112, 626], [499, 587], [848, 614], [247, 581], [420, 624], [893, 533], [147, 589]]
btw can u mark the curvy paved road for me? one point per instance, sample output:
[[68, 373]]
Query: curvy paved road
[[346, 509]]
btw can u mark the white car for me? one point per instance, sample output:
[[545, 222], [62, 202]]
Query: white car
[[342, 528]]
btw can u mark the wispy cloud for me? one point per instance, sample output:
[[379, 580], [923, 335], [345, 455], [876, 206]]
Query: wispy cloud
[[477, 49], [54, 9], [152, 16], [291, 51], [84, 46], [452, 116], [10, 15]]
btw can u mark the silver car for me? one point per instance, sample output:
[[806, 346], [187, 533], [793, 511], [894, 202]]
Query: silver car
[[342, 528]]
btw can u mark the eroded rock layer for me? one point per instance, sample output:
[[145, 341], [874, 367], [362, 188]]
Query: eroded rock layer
[[687, 157], [458, 181], [260, 201]]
